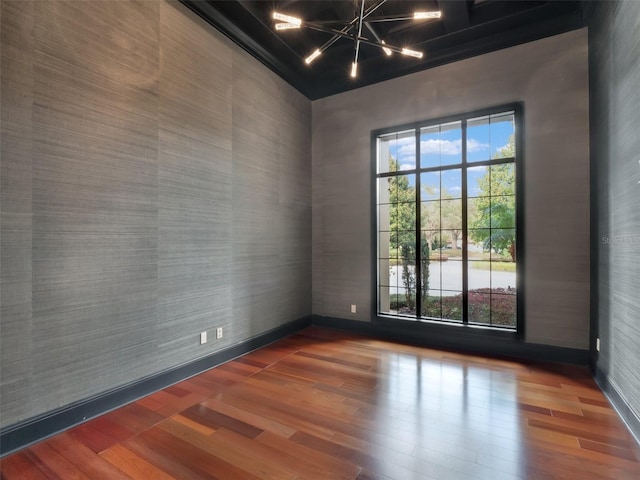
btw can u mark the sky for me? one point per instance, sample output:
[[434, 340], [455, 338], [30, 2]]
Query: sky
[[441, 145]]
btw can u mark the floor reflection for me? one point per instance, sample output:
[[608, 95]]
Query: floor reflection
[[461, 419]]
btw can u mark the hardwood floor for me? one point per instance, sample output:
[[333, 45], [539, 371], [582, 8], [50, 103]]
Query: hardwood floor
[[329, 405]]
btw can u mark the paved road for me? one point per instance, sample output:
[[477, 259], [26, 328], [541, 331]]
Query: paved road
[[448, 276]]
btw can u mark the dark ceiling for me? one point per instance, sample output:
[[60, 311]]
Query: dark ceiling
[[467, 28]]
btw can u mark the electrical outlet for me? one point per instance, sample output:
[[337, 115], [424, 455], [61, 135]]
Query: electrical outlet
[[219, 332], [203, 338], [353, 309], [598, 344]]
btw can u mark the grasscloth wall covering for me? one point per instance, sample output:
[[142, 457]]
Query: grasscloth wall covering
[[155, 183], [614, 44], [551, 77]]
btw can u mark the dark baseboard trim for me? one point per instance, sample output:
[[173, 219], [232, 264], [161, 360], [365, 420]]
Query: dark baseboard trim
[[464, 340], [25, 433], [625, 412]]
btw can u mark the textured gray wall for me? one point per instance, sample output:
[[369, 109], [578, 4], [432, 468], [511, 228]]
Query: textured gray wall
[[155, 182], [615, 98], [551, 77]]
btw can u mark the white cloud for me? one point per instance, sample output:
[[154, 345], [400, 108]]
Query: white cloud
[[407, 148], [445, 147], [407, 166], [479, 168], [451, 147], [455, 189], [475, 146]]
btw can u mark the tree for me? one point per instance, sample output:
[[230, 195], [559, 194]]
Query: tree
[[424, 270], [402, 224], [451, 218], [495, 208]]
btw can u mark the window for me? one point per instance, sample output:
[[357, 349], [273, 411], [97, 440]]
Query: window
[[447, 220]]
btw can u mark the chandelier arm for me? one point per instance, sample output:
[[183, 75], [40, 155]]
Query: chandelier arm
[[373, 8], [355, 61], [340, 34], [392, 18], [396, 18], [350, 25], [372, 31]]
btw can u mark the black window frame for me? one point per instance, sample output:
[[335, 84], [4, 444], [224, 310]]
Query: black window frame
[[518, 111]]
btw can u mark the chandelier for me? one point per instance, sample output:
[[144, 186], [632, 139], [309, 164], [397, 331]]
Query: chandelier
[[353, 30]]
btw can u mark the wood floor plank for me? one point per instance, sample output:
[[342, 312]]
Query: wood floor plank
[[582, 427], [250, 418], [133, 465], [57, 466], [567, 462], [191, 424], [324, 404], [334, 467], [609, 449], [85, 459], [159, 457], [20, 465], [227, 451], [285, 458], [215, 420]]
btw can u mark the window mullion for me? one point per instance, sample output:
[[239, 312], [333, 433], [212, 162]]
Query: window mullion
[[465, 252], [418, 266]]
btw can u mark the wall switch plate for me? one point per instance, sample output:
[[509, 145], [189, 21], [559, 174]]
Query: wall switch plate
[[203, 338], [598, 344], [219, 332], [353, 309]]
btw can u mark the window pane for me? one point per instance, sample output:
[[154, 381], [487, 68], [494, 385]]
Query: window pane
[[430, 186], [503, 211], [502, 129], [503, 277], [430, 215], [479, 276], [452, 305], [502, 243], [478, 181], [388, 299], [479, 308], [441, 145], [478, 139], [451, 183], [430, 147], [404, 241], [394, 272], [479, 212], [451, 213], [384, 244], [502, 180], [451, 242], [451, 274], [432, 305], [503, 310], [397, 152], [440, 239], [402, 188], [451, 143], [478, 243], [387, 271], [435, 274], [386, 188], [384, 217], [403, 216]]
